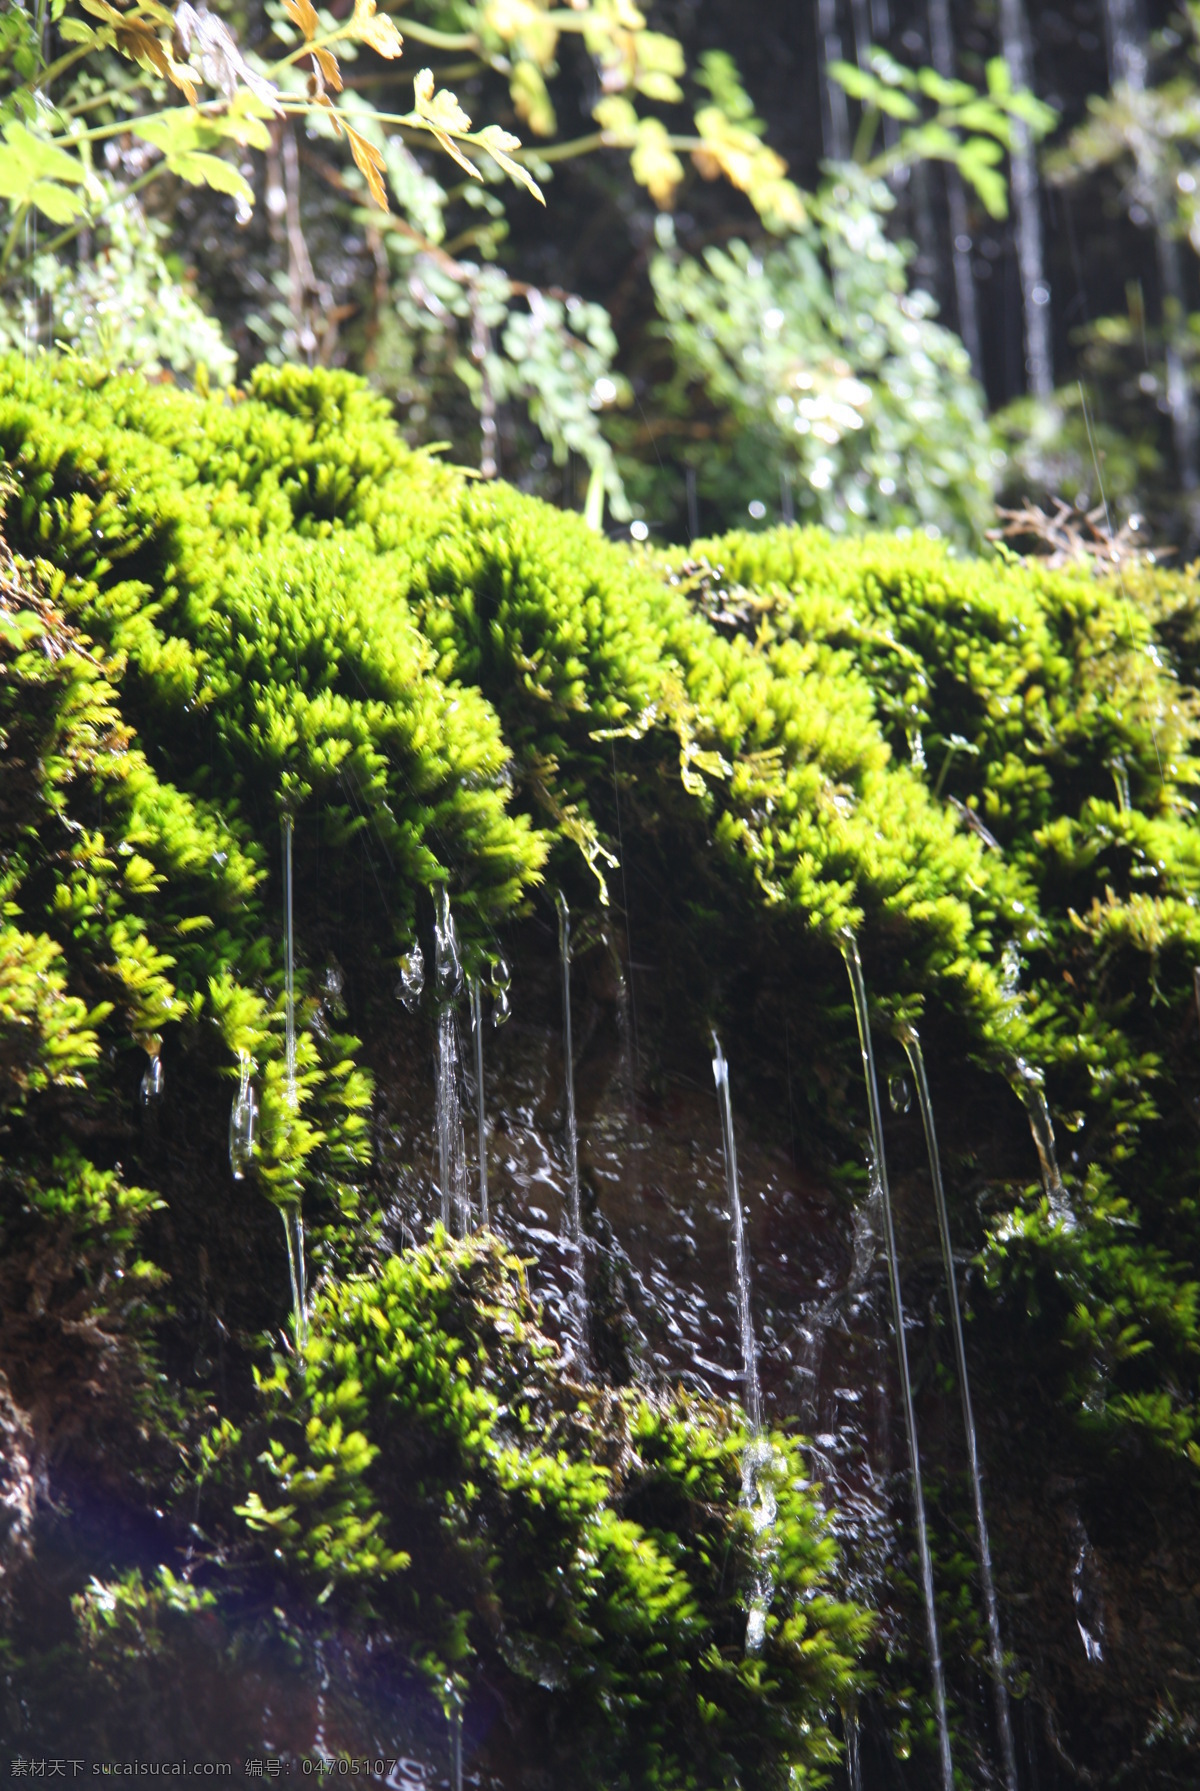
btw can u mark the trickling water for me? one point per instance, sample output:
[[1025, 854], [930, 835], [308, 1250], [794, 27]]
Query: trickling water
[[289, 985], [153, 1080], [293, 1221], [834, 110], [501, 982], [1027, 211], [853, 1762], [1088, 1599], [912, 1046], [411, 982], [1126, 42], [879, 1175], [574, 1213], [1028, 1086], [456, 1750], [480, 1097], [941, 50], [243, 1119], [741, 1257], [758, 1495], [1125, 28], [451, 1138], [293, 1229]]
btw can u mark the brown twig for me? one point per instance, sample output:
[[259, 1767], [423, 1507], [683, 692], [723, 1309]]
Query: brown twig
[[1070, 537]]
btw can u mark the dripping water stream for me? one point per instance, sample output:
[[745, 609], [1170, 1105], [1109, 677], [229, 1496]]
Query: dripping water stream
[[879, 1171], [758, 1497], [451, 1140], [480, 1097], [293, 1218], [912, 1045], [1028, 1085], [574, 1210]]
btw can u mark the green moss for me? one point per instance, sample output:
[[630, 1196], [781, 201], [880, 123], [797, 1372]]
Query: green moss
[[220, 612], [432, 1466]]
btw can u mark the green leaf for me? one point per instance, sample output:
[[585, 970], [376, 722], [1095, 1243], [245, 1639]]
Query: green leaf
[[74, 31], [27, 158], [999, 78], [943, 92], [203, 170], [60, 204]]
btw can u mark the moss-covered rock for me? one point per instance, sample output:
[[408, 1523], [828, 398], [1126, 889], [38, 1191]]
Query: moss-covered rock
[[217, 612]]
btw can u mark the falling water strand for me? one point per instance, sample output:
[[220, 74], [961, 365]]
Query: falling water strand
[[1028, 1085], [912, 1046], [1031, 257], [1129, 64], [879, 1170], [411, 981], [853, 1760], [243, 1119], [480, 1097], [758, 1495], [451, 1142], [574, 1211], [293, 1228], [941, 49], [289, 985], [741, 1260], [456, 1748], [153, 1081]]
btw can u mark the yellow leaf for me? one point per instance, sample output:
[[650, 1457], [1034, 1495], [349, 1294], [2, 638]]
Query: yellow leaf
[[531, 99], [376, 30], [442, 108], [370, 161], [179, 75], [456, 154], [323, 99], [617, 119], [304, 14], [328, 64], [497, 142], [654, 163]]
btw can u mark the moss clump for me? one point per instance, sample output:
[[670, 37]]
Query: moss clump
[[218, 612], [576, 1549]]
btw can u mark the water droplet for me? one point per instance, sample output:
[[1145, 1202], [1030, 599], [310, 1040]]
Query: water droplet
[[501, 1007], [412, 976], [899, 1092]]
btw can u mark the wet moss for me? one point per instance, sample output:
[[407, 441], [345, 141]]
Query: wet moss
[[218, 611]]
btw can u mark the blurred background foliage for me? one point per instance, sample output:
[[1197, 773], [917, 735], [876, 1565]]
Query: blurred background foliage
[[862, 262]]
